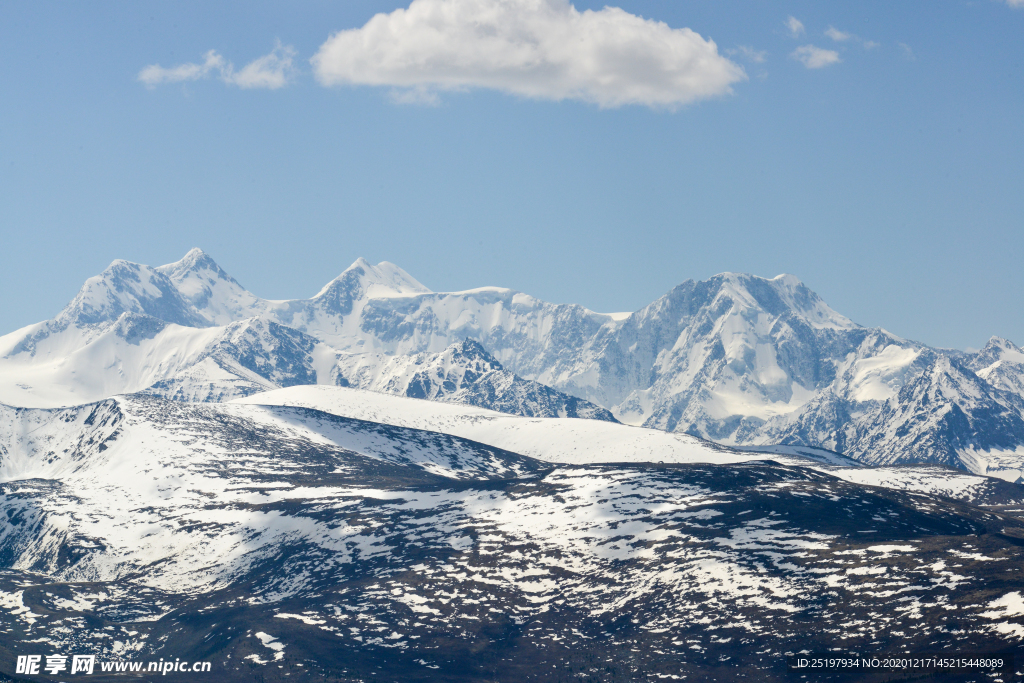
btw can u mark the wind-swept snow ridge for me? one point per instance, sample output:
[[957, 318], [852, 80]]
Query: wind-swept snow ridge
[[590, 442], [556, 440]]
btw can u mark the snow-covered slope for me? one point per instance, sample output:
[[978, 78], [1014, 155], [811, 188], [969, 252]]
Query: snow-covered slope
[[154, 463], [557, 440], [577, 442], [137, 352], [214, 295]]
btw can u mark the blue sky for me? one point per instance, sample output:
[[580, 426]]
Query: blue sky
[[888, 177]]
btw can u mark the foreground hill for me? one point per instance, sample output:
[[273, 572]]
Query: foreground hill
[[281, 542]]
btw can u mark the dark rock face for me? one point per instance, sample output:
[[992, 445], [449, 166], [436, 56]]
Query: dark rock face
[[466, 373], [134, 328]]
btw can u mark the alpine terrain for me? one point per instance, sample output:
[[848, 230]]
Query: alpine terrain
[[384, 483]]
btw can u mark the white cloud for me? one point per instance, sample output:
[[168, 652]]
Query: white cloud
[[543, 49], [795, 26], [270, 71], [155, 74], [907, 51], [815, 57], [837, 35], [842, 37], [749, 54], [1015, 3]]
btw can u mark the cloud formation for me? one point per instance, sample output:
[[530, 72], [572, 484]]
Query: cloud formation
[[837, 35], [842, 37], [270, 71], [542, 49], [155, 74], [1015, 3], [815, 57], [748, 53], [795, 26]]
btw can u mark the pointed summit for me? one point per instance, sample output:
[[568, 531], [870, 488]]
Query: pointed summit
[[1001, 364], [196, 261], [782, 294], [194, 254], [999, 348], [376, 281], [362, 280], [216, 296]]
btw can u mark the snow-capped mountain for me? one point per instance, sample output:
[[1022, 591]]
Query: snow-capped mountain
[[737, 359], [1000, 364], [286, 542], [944, 414], [138, 352], [216, 341]]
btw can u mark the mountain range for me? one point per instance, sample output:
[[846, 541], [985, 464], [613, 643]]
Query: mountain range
[[386, 483], [737, 359]]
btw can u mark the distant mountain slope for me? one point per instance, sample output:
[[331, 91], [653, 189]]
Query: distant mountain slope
[[105, 342], [737, 359], [137, 352]]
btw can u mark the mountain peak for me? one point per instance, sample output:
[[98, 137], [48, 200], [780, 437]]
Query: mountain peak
[[996, 351], [195, 254], [778, 295], [217, 296], [1002, 344], [365, 280], [194, 261]]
